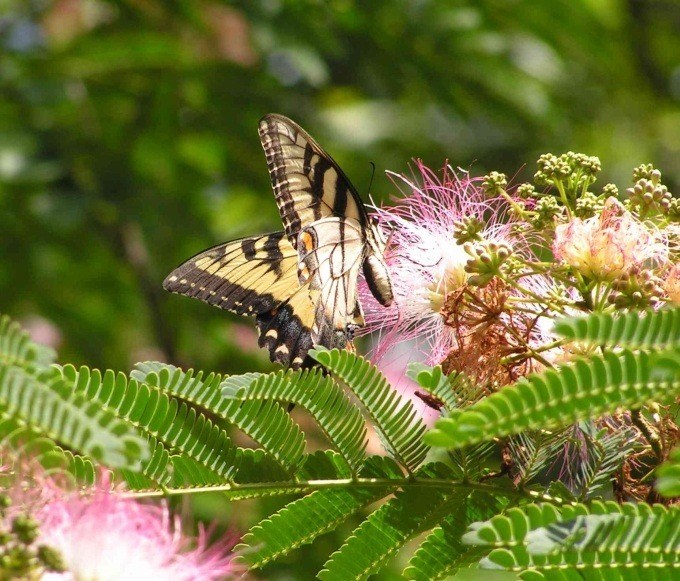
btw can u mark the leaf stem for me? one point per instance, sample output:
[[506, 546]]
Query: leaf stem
[[308, 486]]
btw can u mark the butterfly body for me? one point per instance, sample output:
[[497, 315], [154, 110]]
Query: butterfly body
[[299, 284]]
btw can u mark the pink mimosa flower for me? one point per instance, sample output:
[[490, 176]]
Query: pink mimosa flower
[[104, 536], [607, 246], [427, 266]]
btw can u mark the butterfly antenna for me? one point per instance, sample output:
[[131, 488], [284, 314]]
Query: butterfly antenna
[[370, 184]]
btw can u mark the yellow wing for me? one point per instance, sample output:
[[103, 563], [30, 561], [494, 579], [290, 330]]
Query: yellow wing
[[254, 276]]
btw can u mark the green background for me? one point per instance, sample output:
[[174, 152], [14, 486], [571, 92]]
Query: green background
[[128, 138]]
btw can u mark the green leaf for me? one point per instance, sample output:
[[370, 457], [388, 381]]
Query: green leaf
[[532, 451], [433, 380], [175, 426], [632, 330], [588, 388], [386, 530], [338, 418], [598, 543], [601, 537], [396, 421], [16, 347], [668, 475], [266, 422], [601, 453], [303, 520], [20, 441], [443, 553], [46, 402]]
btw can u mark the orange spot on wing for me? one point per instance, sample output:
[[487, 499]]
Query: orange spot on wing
[[307, 241]]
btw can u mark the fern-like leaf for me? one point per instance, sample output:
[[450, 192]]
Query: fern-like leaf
[[16, 347], [340, 421], [266, 422], [396, 421], [532, 451], [443, 553], [165, 422], [386, 530], [588, 388], [632, 330], [627, 535], [303, 520], [25, 441], [600, 538], [46, 402], [434, 382], [668, 475], [601, 453]]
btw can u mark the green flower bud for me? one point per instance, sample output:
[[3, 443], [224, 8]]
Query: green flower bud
[[468, 230], [25, 528], [525, 191], [610, 190], [643, 171], [588, 205], [494, 183], [546, 210], [51, 559]]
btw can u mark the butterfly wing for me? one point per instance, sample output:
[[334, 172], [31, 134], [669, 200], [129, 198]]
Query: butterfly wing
[[300, 284], [332, 254], [254, 276], [308, 185]]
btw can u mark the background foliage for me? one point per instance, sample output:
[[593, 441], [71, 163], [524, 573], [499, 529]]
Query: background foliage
[[128, 132], [128, 137]]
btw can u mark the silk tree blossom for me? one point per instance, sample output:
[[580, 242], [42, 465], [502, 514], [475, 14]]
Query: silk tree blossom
[[609, 245], [436, 308], [104, 536]]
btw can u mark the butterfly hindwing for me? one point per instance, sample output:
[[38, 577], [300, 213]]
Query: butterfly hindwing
[[308, 185], [286, 331], [332, 251]]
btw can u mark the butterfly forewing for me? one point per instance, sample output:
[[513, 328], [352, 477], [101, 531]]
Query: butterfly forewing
[[246, 276], [308, 185]]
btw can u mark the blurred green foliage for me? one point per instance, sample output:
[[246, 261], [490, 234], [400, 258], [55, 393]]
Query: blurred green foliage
[[128, 134]]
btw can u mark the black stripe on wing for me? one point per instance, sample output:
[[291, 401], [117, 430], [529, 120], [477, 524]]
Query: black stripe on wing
[[247, 276], [308, 185], [254, 276]]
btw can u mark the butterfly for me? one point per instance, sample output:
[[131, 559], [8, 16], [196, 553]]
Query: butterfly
[[299, 284]]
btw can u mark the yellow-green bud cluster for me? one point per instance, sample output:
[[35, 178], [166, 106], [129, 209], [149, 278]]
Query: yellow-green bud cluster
[[588, 205], [545, 210], [638, 289], [468, 230], [580, 168], [674, 210], [486, 261], [610, 190], [649, 194], [494, 183], [643, 171], [525, 191], [20, 558]]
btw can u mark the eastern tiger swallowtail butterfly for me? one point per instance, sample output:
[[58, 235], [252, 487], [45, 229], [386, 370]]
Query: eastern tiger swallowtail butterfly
[[299, 284]]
